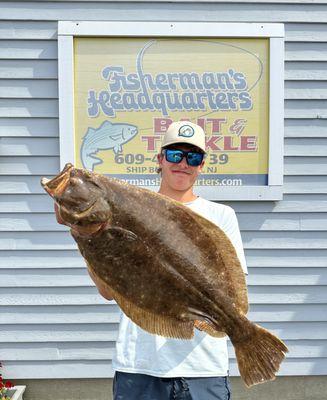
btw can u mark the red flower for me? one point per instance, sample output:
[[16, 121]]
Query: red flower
[[4, 386]]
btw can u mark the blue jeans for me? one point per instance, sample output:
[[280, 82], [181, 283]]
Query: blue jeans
[[127, 386]]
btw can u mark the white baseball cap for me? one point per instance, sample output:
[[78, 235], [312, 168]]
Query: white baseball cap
[[185, 132]]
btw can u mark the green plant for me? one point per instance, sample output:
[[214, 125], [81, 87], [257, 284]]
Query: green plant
[[4, 387]]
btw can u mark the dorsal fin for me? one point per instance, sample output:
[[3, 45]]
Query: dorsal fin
[[208, 328]]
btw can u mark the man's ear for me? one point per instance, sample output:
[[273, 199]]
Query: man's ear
[[201, 166], [159, 158]]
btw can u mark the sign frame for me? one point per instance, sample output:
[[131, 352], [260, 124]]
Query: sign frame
[[67, 30]]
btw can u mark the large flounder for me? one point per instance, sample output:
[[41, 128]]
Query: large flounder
[[169, 269]]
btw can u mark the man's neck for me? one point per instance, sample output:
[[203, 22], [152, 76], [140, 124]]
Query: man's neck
[[183, 197]]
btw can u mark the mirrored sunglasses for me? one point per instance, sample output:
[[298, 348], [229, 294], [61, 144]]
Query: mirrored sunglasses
[[193, 158]]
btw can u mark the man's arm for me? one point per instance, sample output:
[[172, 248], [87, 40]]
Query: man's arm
[[233, 232], [102, 288]]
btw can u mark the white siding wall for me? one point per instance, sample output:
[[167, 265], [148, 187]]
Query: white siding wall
[[53, 324]]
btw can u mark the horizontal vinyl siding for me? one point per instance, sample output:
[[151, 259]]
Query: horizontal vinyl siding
[[163, 11], [53, 323]]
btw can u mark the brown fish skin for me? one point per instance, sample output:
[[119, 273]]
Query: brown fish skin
[[168, 268]]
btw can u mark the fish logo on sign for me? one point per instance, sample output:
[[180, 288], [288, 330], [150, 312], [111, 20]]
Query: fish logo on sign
[[107, 136], [186, 131]]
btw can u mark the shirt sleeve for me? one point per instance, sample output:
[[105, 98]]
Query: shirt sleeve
[[232, 230]]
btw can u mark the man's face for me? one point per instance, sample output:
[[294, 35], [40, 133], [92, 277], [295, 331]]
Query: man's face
[[179, 176]]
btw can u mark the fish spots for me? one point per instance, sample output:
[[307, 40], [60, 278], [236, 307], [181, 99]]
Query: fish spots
[[173, 265]]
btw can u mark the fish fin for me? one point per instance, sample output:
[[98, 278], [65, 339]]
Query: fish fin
[[102, 286], [259, 355], [90, 131], [152, 323], [208, 328], [97, 160], [115, 137], [106, 123], [121, 233], [91, 161], [118, 149]]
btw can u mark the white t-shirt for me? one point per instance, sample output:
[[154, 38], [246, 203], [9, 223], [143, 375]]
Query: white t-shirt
[[138, 351]]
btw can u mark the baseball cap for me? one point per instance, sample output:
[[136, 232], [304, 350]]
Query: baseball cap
[[185, 132]]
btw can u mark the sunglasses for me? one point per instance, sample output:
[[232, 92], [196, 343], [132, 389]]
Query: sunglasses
[[193, 158]]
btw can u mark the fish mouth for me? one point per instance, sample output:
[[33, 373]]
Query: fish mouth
[[75, 220], [82, 214], [58, 184], [55, 187], [69, 211], [88, 230]]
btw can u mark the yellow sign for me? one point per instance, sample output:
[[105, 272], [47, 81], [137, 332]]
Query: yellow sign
[[128, 91]]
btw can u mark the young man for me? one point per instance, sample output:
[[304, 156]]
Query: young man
[[151, 367]]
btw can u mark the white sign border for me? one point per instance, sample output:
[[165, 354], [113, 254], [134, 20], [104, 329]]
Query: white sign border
[[67, 30]]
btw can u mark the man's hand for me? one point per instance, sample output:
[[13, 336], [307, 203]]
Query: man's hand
[[102, 287]]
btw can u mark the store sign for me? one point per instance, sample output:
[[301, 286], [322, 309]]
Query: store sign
[[127, 91]]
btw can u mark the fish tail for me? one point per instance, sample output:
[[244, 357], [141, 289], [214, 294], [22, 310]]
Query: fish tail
[[88, 159], [84, 156], [259, 355]]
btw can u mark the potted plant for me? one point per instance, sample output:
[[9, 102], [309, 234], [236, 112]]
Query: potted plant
[[10, 392]]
